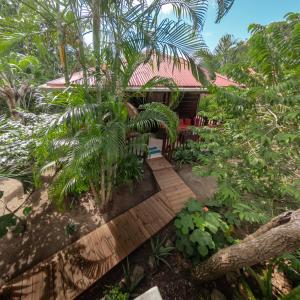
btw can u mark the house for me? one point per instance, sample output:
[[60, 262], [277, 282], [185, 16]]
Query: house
[[190, 89]]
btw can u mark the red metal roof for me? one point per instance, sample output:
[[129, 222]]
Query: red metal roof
[[182, 75]]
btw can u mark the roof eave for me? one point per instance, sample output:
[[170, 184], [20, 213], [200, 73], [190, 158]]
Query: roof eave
[[132, 88]]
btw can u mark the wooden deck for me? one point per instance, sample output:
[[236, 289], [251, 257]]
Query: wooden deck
[[74, 269]]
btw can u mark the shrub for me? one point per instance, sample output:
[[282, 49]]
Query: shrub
[[130, 170], [200, 232], [115, 293], [160, 251], [192, 152]]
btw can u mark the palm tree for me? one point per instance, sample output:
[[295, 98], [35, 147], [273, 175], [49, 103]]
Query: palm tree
[[224, 53], [87, 142], [93, 134]]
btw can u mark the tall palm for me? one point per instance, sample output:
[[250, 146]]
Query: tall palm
[[87, 142], [92, 136], [223, 54]]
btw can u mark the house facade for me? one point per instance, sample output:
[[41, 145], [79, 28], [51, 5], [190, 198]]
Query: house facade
[[190, 89]]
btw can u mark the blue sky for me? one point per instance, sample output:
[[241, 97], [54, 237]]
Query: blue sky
[[243, 13]]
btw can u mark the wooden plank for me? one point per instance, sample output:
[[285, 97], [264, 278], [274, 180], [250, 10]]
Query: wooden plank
[[38, 283], [60, 281], [125, 230], [161, 196], [13, 290], [151, 215], [158, 163], [27, 285]]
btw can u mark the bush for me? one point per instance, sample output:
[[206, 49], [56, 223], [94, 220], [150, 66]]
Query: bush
[[115, 293], [192, 152], [130, 170], [200, 232]]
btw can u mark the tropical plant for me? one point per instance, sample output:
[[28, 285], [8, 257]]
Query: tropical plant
[[256, 150], [115, 293], [289, 263], [16, 73], [227, 52], [87, 143], [199, 231], [71, 228], [191, 153], [93, 134], [131, 278], [130, 170], [294, 294], [160, 251]]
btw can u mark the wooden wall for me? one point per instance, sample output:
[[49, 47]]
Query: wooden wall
[[187, 107]]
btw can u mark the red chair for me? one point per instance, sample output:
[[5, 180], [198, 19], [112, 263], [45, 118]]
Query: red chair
[[188, 122]]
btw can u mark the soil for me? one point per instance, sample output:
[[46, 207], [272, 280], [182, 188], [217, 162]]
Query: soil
[[45, 232], [203, 187]]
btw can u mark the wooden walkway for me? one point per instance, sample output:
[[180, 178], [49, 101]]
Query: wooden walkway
[[74, 269]]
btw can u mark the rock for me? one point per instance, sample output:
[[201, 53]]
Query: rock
[[217, 295], [152, 294], [137, 274], [13, 194], [169, 243], [151, 262]]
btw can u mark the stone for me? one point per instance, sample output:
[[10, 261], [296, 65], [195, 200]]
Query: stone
[[137, 274], [152, 294], [217, 295]]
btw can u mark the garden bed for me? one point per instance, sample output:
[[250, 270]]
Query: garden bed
[[46, 234]]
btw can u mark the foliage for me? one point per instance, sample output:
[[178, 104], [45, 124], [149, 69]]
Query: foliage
[[256, 150], [190, 154], [199, 231], [17, 140], [130, 170], [227, 52], [160, 252], [289, 263], [264, 281], [115, 293], [71, 228], [87, 143], [6, 221], [294, 294], [131, 280]]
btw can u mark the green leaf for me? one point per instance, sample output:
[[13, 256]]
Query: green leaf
[[184, 245], [27, 210], [194, 205], [184, 222], [6, 221], [202, 238], [202, 249]]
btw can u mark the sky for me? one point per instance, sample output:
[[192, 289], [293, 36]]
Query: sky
[[243, 13]]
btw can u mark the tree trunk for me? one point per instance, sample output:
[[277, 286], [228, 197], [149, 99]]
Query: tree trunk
[[280, 235], [11, 101], [96, 45], [81, 50], [61, 44]]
